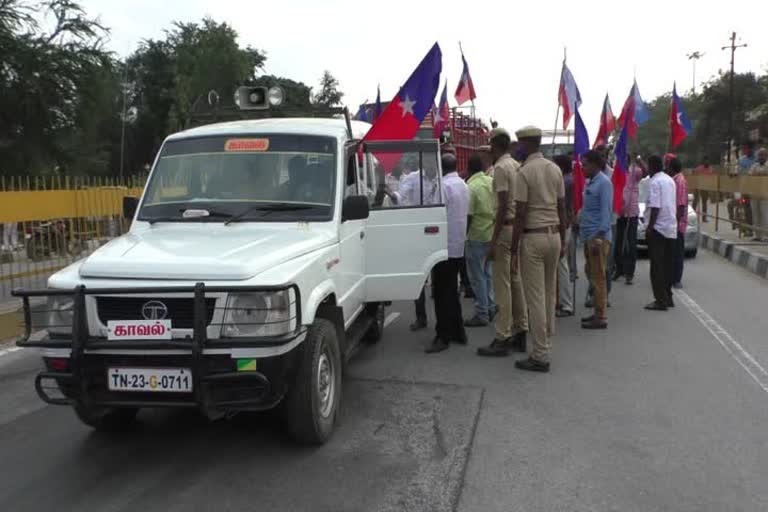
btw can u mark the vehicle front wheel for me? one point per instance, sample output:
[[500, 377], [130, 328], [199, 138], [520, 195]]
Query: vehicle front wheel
[[106, 419], [313, 401], [376, 330]]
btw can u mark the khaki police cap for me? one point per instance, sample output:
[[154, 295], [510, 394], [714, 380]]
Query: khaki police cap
[[528, 132], [497, 132]]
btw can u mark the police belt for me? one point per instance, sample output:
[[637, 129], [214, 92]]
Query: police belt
[[545, 229]]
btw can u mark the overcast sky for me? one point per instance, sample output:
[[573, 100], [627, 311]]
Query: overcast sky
[[514, 49]]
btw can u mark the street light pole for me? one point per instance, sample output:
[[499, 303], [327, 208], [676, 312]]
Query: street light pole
[[124, 86], [733, 47], [694, 56]]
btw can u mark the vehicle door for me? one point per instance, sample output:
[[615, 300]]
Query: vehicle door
[[351, 289], [406, 231]]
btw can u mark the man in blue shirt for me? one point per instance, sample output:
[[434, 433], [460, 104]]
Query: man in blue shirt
[[595, 234]]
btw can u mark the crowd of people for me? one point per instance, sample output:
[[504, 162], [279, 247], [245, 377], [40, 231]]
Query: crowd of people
[[514, 228]]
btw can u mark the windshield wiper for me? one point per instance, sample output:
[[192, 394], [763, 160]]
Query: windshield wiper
[[269, 207]]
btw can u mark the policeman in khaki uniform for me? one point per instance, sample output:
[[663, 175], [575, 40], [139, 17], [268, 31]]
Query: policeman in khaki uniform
[[538, 233], [512, 314]]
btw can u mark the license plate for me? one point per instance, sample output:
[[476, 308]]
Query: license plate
[[165, 380], [139, 330]]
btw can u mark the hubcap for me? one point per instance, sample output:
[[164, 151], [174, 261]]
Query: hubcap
[[326, 383]]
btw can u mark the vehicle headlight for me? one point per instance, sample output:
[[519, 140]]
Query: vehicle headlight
[[275, 96], [58, 316], [260, 314]]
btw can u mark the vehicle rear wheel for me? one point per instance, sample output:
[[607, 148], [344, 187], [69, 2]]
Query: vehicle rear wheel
[[376, 331], [313, 401], [106, 419]]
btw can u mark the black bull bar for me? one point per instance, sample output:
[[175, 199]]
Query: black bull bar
[[268, 387]]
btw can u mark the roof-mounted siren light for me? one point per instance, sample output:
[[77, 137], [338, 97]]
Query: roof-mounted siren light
[[258, 97]]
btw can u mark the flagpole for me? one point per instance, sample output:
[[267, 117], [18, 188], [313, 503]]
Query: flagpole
[[557, 113]]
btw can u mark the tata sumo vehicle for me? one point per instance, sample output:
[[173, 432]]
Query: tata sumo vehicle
[[258, 259]]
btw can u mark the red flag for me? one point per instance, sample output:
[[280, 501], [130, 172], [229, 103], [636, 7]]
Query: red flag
[[607, 123], [407, 110], [466, 89], [569, 95], [620, 169], [679, 123], [441, 114]]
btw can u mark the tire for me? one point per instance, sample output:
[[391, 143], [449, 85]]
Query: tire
[[313, 401], [376, 331], [106, 419]]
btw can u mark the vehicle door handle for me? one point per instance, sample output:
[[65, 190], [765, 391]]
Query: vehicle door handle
[[431, 230], [362, 235]]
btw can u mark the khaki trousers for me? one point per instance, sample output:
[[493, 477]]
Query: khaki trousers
[[511, 309], [596, 256], [539, 257]]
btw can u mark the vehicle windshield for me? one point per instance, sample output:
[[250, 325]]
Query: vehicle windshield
[[252, 177]]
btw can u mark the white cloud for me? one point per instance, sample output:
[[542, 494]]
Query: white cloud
[[514, 50]]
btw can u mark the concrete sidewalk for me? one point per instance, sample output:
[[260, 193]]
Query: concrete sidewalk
[[726, 242]]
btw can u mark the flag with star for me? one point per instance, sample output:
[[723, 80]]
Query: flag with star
[[680, 125], [407, 110], [440, 115], [465, 91]]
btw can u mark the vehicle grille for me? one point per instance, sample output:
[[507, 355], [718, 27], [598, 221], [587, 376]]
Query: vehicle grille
[[180, 310]]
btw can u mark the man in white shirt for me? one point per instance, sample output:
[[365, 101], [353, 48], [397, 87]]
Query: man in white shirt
[[661, 233], [445, 276], [410, 192], [412, 186]]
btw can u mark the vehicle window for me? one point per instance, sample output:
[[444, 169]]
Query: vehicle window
[[228, 174], [350, 181], [397, 181]]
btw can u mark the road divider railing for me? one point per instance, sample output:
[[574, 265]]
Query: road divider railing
[[746, 202], [49, 222]]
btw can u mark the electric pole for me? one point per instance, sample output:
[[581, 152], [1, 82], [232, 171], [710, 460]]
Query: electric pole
[[733, 47], [694, 56]]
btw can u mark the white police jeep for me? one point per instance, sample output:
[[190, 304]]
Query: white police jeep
[[259, 256]]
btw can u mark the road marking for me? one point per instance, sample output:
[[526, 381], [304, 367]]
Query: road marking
[[733, 347], [9, 351], [391, 318]]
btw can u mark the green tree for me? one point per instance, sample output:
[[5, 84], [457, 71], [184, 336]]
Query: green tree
[[208, 57], [45, 96], [329, 94]]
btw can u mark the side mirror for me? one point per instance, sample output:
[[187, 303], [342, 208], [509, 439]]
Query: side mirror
[[130, 204], [354, 208]]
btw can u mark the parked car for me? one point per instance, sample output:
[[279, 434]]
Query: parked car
[[691, 232]]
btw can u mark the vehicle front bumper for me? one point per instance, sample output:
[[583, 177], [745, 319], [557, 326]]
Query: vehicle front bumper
[[691, 240], [78, 366]]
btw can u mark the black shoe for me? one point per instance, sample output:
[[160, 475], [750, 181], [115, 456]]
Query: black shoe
[[518, 342], [418, 325], [462, 339], [678, 286], [532, 365], [497, 348], [594, 324], [563, 313], [628, 281], [437, 345], [655, 306], [670, 303], [587, 318], [475, 321]]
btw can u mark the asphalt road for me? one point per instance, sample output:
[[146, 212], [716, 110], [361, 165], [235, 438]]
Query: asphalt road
[[663, 411]]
